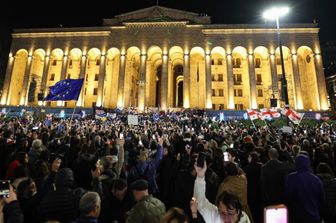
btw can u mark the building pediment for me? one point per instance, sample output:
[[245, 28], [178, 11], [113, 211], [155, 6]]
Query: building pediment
[[157, 14]]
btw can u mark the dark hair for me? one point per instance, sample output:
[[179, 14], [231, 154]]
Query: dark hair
[[232, 152], [231, 169], [174, 215], [231, 201], [255, 157], [21, 156], [119, 184]]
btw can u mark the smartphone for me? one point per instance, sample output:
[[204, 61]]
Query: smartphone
[[231, 145], [276, 214], [140, 143], [35, 128], [153, 136], [121, 135], [4, 188], [200, 159], [226, 156]]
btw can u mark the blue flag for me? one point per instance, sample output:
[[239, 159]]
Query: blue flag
[[65, 90]]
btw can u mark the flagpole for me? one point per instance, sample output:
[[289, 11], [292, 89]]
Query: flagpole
[[299, 121], [253, 124]]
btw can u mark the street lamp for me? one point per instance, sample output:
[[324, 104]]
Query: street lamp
[[274, 14]]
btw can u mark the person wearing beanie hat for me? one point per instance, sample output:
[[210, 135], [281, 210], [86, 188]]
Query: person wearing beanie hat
[[148, 208]]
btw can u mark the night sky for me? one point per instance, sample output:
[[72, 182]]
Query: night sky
[[75, 13]]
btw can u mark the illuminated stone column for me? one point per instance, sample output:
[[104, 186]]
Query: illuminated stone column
[[64, 67], [102, 73], [82, 74], [5, 89], [164, 81], [24, 97], [63, 74], [45, 74], [253, 91], [230, 88], [274, 76], [120, 102], [321, 84], [297, 83], [142, 82], [186, 81], [208, 82]]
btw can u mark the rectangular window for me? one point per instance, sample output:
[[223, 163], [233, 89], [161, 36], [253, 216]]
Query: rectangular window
[[52, 77], [213, 77], [84, 91], [236, 62], [54, 63], [65, 104], [93, 104], [221, 92], [69, 76], [213, 92], [220, 61], [98, 62], [214, 106], [258, 79], [257, 63], [96, 77], [95, 91], [239, 106], [238, 92], [220, 77], [70, 64], [237, 79], [260, 93], [212, 62], [260, 106], [278, 61]]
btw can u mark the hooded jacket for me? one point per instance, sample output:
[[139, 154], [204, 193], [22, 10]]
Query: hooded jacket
[[304, 193]]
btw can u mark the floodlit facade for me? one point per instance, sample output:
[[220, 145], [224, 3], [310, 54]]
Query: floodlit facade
[[163, 57]]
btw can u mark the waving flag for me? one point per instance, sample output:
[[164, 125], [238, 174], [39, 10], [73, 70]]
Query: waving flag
[[269, 113], [253, 114], [65, 90], [294, 116]]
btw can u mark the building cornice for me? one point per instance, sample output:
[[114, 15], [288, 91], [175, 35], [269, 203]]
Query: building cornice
[[155, 24], [60, 34], [258, 31]]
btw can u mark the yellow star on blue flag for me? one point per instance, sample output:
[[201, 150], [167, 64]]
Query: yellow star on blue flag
[[65, 90]]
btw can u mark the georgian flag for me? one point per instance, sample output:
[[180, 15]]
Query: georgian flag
[[269, 113], [252, 114], [294, 116]]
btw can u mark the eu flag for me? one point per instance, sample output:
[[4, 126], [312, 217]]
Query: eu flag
[[65, 90]]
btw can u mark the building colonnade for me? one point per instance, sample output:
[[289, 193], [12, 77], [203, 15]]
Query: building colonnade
[[219, 78]]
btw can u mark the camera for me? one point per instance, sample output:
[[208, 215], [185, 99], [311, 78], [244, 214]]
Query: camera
[[4, 188]]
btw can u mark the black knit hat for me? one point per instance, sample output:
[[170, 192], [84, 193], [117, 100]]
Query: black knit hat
[[139, 185]]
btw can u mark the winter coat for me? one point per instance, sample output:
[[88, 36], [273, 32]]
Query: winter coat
[[304, 193]]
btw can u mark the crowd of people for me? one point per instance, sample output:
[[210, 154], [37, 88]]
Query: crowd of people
[[178, 167]]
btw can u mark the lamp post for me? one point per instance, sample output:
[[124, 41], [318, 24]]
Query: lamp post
[[274, 14]]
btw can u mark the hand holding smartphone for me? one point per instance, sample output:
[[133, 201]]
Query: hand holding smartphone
[[4, 189]]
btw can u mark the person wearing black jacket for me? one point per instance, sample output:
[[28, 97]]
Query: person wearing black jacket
[[12, 212]]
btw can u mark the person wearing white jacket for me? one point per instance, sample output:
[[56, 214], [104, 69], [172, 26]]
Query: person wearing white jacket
[[228, 209]]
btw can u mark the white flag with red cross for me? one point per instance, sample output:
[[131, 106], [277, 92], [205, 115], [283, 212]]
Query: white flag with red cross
[[294, 116], [253, 114]]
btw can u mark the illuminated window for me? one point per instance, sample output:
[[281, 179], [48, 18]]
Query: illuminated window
[[237, 79], [260, 93], [220, 77], [52, 77], [213, 92], [236, 62], [95, 91], [258, 79], [54, 63], [98, 62], [239, 106], [221, 92], [238, 92], [96, 77], [257, 63], [220, 61]]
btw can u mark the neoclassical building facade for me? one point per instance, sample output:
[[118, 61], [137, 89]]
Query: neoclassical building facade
[[163, 57]]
